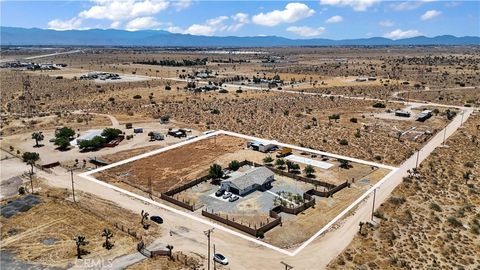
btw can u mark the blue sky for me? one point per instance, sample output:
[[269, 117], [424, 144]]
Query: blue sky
[[336, 19]]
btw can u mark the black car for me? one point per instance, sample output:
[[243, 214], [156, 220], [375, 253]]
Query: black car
[[220, 192], [156, 219]]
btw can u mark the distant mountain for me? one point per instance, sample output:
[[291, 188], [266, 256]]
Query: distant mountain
[[111, 37]]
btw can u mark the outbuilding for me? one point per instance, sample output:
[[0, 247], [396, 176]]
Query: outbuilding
[[261, 146], [424, 115], [242, 183]]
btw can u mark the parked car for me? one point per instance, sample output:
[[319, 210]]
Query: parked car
[[227, 195], [156, 219], [233, 198], [219, 258], [220, 192]]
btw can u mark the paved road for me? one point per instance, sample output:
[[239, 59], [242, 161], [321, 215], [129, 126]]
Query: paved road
[[188, 235]]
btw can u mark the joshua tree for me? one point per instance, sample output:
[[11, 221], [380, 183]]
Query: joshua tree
[[466, 176], [37, 136], [80, 241], [144, 217], [309, 170], [107, 234], [170, 247]]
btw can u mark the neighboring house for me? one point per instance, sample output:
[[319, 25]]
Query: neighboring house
[[242, 183], [261, 146]]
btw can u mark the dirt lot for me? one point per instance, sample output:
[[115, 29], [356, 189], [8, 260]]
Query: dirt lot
[[44, 234], [175, 167], [432, 220]]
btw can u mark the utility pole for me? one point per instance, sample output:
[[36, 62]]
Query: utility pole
[[418, 154], [444, 134], [31, 179], [150, 187], [461, 121], [373, 205], [73, 186], [287, 266], [214, 263], [207, 233]]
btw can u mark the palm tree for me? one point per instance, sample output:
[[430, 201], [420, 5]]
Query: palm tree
[[280, 163], [37, 136], [107, 234], [80, 241], [267, 160]]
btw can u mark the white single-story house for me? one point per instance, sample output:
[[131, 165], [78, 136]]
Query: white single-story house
[[242, 183], [261, 146]]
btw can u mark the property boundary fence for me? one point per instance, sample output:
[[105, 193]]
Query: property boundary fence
[[244, 228]]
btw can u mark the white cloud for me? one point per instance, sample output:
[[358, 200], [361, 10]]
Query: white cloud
[[357, 5], [430, 14], [116, 10], [212, 26], [409, 5], [399, 34], [182, 4], [240, 19], [306, 31], [386, 23], [292, 13], [334, 19], [73, 23], [142, 23]]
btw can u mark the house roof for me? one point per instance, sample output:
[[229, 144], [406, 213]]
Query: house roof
[[257, 175]]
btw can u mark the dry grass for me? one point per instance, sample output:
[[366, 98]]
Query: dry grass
[[60, 219]]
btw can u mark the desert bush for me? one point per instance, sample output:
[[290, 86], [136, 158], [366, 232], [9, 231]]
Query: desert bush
[[454, 222], [397, 200], [435, 207]]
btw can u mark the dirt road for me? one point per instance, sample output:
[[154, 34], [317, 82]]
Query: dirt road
[[188, 235]]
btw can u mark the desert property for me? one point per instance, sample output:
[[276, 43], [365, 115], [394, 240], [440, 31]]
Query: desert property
[[239, 135], [249, 184]]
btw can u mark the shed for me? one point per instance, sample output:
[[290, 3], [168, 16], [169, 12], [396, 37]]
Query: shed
[[262, 146]]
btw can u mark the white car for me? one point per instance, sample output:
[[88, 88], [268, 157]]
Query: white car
[[227, 195], [219, 258]]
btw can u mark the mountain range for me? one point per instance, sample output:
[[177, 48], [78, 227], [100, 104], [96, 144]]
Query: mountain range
[[112, 37]]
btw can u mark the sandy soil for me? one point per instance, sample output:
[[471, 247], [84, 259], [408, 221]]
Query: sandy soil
[[432, 220], [175, 167]]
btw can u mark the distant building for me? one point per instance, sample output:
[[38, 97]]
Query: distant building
[[242, 183], [424, 115], [90, 134]]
